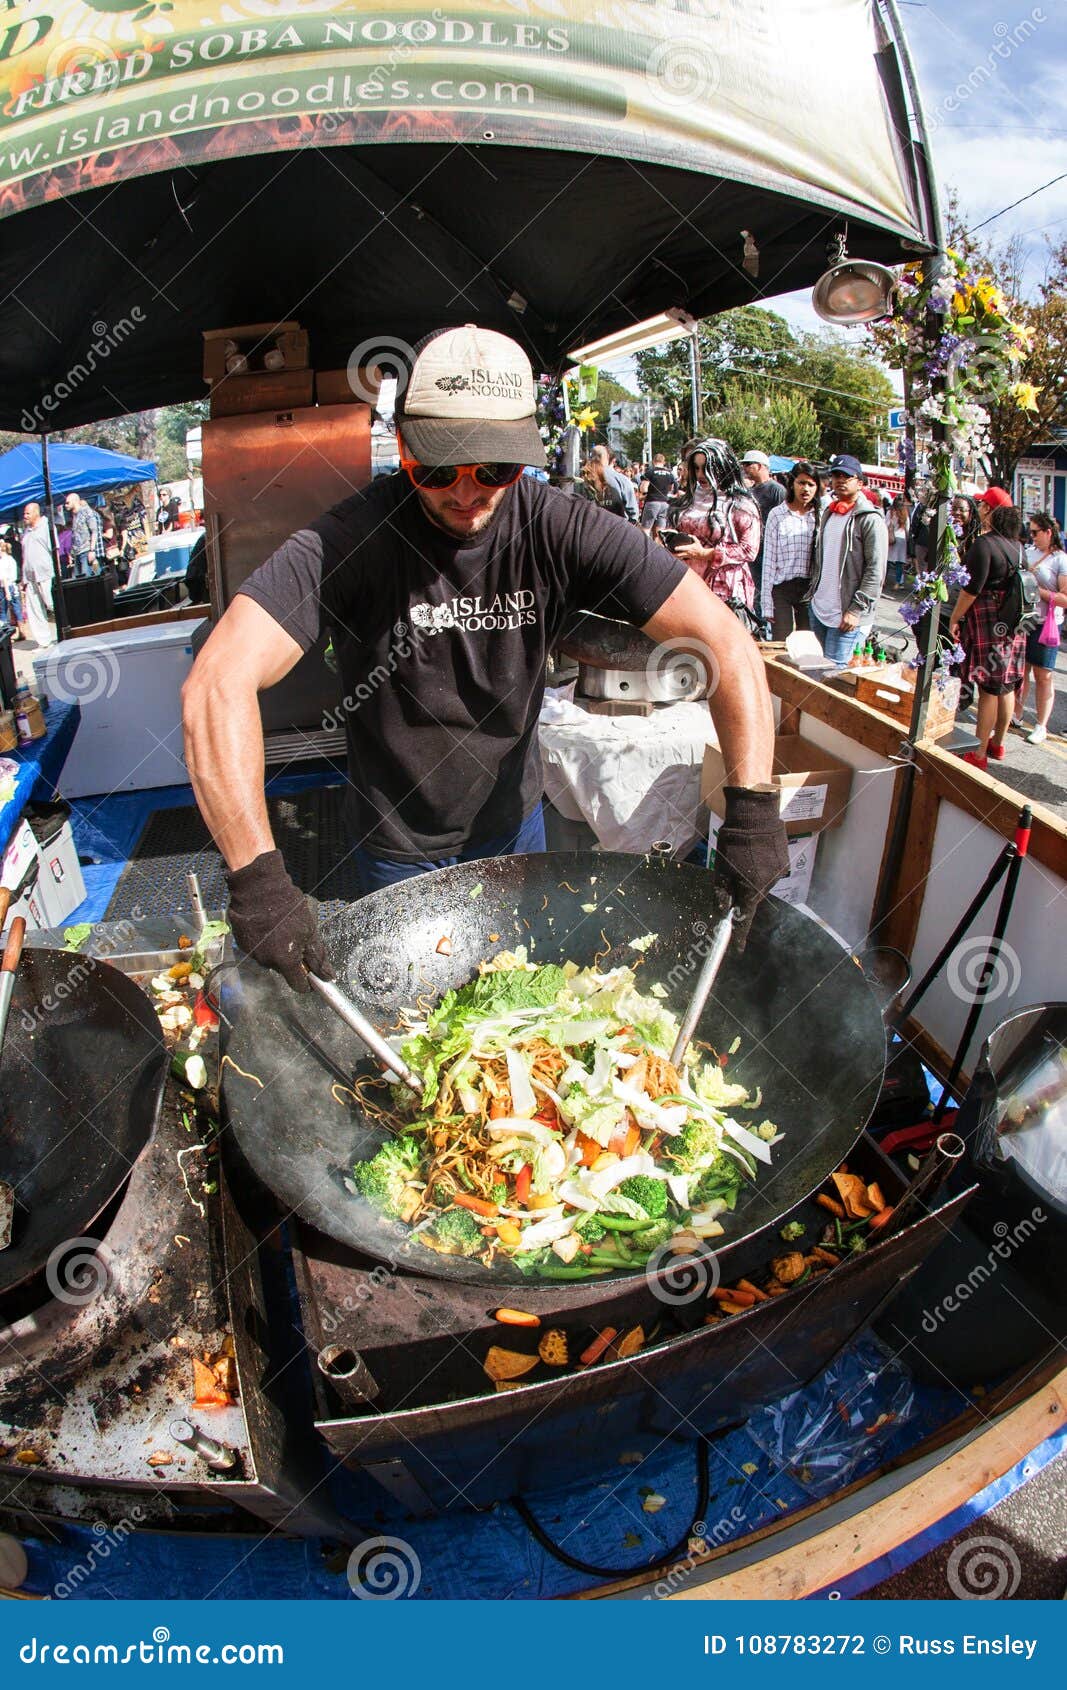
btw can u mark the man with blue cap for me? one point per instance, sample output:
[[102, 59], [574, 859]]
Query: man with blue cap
[[850, 563]]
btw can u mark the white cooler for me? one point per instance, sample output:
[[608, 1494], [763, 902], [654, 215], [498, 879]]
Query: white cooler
[[128, 684]]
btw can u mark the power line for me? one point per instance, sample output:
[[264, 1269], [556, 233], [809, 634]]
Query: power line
[[1061, 178]]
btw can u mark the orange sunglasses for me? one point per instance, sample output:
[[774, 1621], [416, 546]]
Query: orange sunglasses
[[437, 479]]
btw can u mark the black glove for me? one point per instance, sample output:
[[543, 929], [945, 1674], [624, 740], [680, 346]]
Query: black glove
[[750, 854], [273, 921]]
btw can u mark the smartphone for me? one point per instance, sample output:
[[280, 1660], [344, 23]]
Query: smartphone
[[673, 538]]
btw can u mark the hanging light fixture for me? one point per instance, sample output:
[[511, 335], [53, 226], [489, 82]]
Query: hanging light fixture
[[853, 290]]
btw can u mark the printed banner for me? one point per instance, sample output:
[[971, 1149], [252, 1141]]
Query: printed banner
[[92, 91]]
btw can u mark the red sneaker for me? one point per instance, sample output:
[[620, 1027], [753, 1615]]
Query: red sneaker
[[996, 752], [975, 761]]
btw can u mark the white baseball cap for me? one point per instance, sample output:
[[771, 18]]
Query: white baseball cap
[[470, 399], [757, 458]]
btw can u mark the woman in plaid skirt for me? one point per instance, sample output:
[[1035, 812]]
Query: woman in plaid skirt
[[994, 655]]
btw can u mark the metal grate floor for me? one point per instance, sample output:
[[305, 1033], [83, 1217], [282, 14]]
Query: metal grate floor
[[309, 830]]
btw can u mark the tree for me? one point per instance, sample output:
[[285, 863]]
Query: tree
[[1014, 430], [783, 421], [849, 389], [755, 350]]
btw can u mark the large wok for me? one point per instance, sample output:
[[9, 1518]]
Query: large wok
[[810, 1030], [81, 1082]]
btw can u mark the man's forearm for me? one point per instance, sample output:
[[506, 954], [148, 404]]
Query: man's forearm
[[224, 755]]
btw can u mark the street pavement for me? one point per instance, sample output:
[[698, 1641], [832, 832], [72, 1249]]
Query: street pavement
[[1038, 772]]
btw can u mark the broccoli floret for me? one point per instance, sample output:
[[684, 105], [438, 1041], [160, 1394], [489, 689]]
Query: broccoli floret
[[383, 1178], [499, 1191], [650, 1237], [651, 1194], [691, 1148], [792, 1230], [459, 1230], [723, 1179], [589, 1229]]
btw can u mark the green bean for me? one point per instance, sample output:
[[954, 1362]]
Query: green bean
[[622, 1223], [585, 1272]]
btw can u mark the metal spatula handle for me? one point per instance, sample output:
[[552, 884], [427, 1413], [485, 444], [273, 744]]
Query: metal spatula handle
[[353, 1018], [721, 934]]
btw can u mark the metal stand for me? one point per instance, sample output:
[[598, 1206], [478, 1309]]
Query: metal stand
[[1009, 865]]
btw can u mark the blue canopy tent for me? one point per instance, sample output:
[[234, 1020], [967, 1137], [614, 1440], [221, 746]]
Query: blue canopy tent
[[70, 469]]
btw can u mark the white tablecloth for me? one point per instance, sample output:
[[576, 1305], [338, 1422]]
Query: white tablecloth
[[634, 779]]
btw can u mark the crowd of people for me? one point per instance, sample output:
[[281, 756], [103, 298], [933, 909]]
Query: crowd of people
[[89, 538], [812, 550]]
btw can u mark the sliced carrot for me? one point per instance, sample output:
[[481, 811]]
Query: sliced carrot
[[831, 1205], [590, 1149], [874, 1197], [497, 1108], [633, 1140], [753, 1290], [744, 1299], [516, 1317], [881, 1219], [826, 1256], [476, 1205], [734, 1308], [522, 1183], [595, 1350]]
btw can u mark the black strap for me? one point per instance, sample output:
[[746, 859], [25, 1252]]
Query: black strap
[[663, 1558]]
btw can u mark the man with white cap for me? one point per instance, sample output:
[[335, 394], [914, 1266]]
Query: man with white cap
[[767, 493], [444, 587]]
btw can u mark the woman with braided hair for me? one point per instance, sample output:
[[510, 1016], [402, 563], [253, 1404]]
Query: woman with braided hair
[[721, 519]]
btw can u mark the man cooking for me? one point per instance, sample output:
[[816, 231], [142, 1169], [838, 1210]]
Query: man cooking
[[444, 587]]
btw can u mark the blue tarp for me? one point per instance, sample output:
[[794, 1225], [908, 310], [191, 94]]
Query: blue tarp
[[71, 469]]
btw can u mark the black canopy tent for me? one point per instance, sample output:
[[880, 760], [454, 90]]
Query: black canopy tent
[[373, 227]]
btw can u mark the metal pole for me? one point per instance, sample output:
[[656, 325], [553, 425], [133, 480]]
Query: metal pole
[[648, 428], [1016, 852], [46, 477], [694, 380]]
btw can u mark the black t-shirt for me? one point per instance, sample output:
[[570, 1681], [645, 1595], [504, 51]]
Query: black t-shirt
[[990, 561], [442, 644], [767, 495], [661, 482]]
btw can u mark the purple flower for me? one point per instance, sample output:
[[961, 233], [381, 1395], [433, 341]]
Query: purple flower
[[911, 614]]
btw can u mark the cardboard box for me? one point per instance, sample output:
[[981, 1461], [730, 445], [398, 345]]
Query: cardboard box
[[255, 339], [814, 786], [21, 868], [285, 390], [793, 888], [337, 387], [60, 886]]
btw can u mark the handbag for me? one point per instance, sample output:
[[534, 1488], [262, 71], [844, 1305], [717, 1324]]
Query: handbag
[[1050, 633]]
